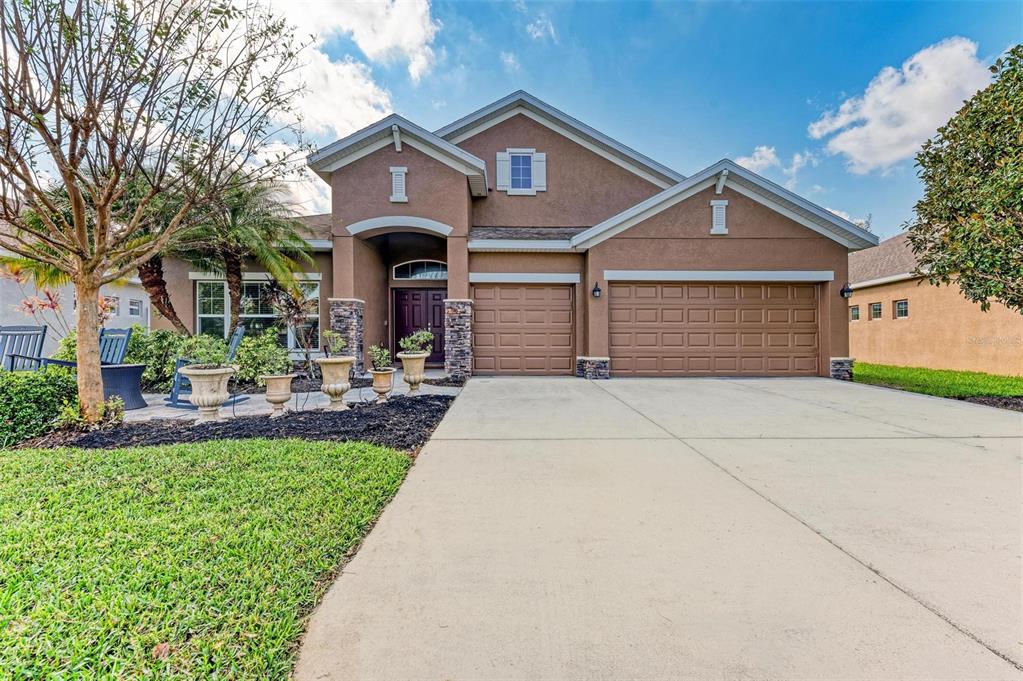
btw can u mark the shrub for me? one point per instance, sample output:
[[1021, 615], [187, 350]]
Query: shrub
[[332, 342], [420, 341], [259, 355], [380, 357], [32, 401]]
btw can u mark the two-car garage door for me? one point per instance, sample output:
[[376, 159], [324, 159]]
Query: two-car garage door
[[706, 329]]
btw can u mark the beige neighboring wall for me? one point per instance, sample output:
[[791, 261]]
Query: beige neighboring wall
[[944, 330], [758, 238], [582, 187]]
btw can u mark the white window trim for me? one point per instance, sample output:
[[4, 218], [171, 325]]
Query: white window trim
[[523, 278], [135, 301], [895, 308], [409, 262], [401, 171], [522, 191], [114, 302], [720, 275], [858, 316], [870, 311], [253, 276], [292, 346]]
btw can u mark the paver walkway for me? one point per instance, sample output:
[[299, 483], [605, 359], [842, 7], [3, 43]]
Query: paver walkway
[[693, 528]]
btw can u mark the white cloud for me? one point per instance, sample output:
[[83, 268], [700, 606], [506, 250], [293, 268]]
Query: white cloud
[[903, 107], [541, 27], [340, 96], [762, 158], [385, 31], [510, 62], [840, 213], [859, 222], [799, 161]]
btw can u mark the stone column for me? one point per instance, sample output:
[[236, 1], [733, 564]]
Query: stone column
[[593, 367], [458, 338], [346, 319], [842, 368]]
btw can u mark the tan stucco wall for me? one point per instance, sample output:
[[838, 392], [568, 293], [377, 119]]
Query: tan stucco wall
[[943, 330], [679, 238], [582, 187]]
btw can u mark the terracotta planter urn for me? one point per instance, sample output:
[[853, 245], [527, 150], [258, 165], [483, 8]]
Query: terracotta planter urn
[[414, 368], [336, 382], [209, 389], [383, 382], [278, 392]]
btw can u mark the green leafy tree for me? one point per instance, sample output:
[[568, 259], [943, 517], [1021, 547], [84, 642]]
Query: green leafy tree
[[968, 227]]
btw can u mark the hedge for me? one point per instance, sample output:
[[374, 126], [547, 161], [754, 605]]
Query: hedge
[[31, 402]]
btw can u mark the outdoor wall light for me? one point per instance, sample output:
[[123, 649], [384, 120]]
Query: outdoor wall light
[[846, 291], [596, 290]]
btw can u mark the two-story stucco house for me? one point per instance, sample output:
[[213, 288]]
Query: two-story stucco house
[[530, 243]]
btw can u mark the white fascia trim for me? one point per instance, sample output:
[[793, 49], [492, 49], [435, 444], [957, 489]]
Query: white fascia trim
[[252, 276], [320, 244], [846, 233], [523, 278], [640, 212], [526, 245], [425, 224], [719, 275], [885, 280], [566, 129]]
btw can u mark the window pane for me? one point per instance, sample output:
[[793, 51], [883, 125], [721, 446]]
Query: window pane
[[521, 171], [211, 297], [255, 298], [854, 312], [421, 269], [213, 326], [308, 334]]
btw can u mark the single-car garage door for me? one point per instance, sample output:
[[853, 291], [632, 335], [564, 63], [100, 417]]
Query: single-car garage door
[[701, 329], [523, 329]]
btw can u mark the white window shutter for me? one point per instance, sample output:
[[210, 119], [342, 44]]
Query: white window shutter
[[540, 172], [398, 185], [503, 181], [719, 224]]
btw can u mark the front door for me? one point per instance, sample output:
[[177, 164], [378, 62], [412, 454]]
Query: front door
[[420, 308]]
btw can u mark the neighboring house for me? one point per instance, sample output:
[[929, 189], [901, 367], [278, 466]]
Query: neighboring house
[[127, 302], [530, 243], [897, 317]]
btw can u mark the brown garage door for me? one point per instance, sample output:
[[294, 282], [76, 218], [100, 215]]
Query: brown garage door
[[697, 329], [523, 329]]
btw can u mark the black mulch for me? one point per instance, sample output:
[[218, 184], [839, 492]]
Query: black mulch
[[1014, 403], [302, 384], [402, 423]]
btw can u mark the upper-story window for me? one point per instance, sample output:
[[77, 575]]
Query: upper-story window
[[421, 269], [521, 172]]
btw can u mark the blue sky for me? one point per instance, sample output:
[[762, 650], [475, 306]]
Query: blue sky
[[837, 96]]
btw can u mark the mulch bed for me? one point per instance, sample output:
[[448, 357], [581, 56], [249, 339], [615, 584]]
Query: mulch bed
[[301, 384], [402, 423], [1013, 403]]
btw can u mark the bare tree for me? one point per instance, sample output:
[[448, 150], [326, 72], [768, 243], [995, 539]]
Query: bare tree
[[101, 98]]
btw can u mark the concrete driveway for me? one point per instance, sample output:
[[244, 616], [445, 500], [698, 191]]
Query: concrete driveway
[[691, 528]]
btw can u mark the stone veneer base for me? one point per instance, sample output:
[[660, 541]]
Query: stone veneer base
[[346, 319], [842, 368], [458, 338], [593, 367]]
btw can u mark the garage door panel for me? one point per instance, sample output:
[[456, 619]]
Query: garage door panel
[[713, 329], [524, 329]]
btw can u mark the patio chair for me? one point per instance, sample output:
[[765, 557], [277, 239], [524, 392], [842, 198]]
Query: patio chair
[[21, 346], [113, 346], [182, 387]]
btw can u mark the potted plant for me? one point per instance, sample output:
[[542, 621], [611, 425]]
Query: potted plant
[[336, 369], [383, 372], [278, 391], [415, 349], [209, 388], [265, 353]]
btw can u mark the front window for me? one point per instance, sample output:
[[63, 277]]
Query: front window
[[258, 313], [135, 308], [113, 305], [521, 171], [875, 310], [421, 269], [901, 309], [854, 313]]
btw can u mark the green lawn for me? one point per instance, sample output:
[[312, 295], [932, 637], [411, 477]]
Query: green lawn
[[186, 561], [939, 382]]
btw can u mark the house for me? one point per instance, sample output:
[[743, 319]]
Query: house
[[897, 317], [531, 243], [22, 303]]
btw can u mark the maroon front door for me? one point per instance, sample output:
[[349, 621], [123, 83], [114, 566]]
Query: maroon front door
[[420, 308]]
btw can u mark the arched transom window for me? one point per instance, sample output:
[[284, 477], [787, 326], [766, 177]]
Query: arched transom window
[[421, 269]]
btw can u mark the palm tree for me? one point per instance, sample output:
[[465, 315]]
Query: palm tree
[[250, 221]]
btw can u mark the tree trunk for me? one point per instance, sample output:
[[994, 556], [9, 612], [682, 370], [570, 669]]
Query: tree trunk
[[151, 276], [90, 379], [233, 277]]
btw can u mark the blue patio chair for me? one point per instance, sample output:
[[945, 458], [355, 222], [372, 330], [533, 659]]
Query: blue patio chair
[[182, 387], [21, 347], [113, 346]]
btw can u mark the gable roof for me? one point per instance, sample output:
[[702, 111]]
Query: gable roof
[[522, 102], [892, 258], [728, 173], [382, 133]]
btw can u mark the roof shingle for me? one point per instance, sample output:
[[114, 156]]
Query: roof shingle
[[889, 258]]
